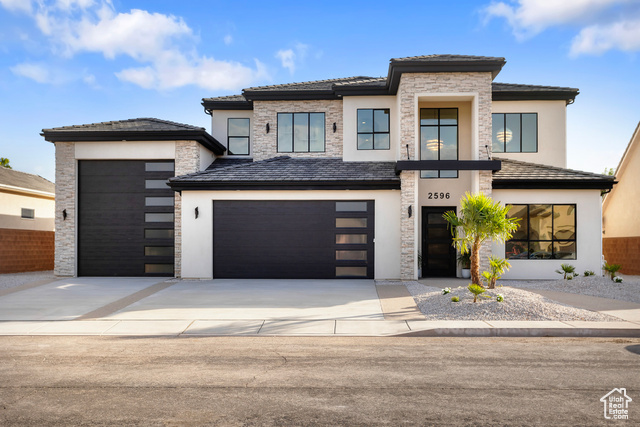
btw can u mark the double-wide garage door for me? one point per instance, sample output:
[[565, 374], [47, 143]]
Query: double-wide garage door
[[293, 239]]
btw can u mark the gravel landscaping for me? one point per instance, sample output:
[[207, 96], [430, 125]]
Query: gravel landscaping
[[518, 304], [16, 279], [595, 286]]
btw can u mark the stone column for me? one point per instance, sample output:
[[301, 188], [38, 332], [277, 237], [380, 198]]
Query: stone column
[[187, 161], [408, 225], [65, 251]]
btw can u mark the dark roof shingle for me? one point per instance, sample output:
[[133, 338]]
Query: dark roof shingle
[[287, 171], [133, 125], [25, 180], [517, 174]]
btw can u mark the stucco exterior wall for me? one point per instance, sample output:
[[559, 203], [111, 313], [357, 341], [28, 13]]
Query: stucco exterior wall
[[622, 205], [265, 145], [588, 232], [552, 131], [219, 126], [197, 234], [351, 104], [11, 212], [124, 150]]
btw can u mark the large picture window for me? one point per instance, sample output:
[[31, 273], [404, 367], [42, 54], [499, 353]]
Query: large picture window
[[238, 132], [515, 132], [300, 132], [373, 129], [439, 139], [546, 232]]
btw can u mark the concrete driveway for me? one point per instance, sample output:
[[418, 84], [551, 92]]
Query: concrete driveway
[[157, 306]]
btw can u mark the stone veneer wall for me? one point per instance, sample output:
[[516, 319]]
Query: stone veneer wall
[[411, 85], [265, 145], [187, 161], [65, 235]]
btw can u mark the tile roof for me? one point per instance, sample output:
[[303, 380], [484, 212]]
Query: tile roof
[[447, 58], [513, 87], [312, 85], [132, 125], [515, 172], [25, 180], [284, 169]]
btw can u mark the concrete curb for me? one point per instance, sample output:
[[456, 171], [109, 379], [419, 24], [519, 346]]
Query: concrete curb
[[528, 332]]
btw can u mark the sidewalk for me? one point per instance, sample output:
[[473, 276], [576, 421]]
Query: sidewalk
[[131, 310]]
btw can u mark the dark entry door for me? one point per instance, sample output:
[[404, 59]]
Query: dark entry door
[[438, 254]]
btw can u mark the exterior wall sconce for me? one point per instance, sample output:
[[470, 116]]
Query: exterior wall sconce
[[197, 213], [267, 127], [410, 211], [335, 128], [64, 214], [488, 153]]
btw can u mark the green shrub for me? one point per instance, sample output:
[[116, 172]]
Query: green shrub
[[569, 277], [499, 298], [497, 267], [455, 299], [617, 279], [588, 273], [446, 291], [565, 270], [612, 269], [477, 290]]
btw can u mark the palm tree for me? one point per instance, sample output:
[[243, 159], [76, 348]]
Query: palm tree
[[4, 162], [480, 219]]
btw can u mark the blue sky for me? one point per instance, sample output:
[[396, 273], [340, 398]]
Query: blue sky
[[66, 62]]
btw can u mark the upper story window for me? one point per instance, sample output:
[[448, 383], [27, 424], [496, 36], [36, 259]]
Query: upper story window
[[546, 232], [28, 213], [439, 139], [515, 132], [238, 131], [373, 129], [300, 132]]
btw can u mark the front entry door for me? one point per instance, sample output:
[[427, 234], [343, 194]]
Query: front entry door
[[438, 254]]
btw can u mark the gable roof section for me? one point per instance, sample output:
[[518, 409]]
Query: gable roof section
[[286, 173], [141, 129], [522, 175], [13, 180], [365, 86]]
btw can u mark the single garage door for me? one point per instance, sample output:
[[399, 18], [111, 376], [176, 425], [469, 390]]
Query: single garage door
[[125, 218], [317, 239]]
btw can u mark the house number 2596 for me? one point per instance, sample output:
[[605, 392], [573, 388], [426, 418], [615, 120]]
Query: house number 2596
[[439, 195]]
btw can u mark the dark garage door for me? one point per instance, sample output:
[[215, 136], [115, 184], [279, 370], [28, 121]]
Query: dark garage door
[[125, 218], [293, 239]]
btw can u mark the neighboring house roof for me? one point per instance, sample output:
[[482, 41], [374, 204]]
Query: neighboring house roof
[[363, 85], [141, 129], [13, 180], [285, 172], [522, 175], [625, 161]]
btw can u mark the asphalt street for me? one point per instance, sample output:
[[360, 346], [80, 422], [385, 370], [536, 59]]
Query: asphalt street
[[313, 381]]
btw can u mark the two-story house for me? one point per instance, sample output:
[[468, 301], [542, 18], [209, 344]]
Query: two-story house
[[340, 178]]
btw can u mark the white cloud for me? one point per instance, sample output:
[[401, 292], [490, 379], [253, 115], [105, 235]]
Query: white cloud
[[163, 45], [596, 39], [287, 58], [290, 58], [603, 24], [17, 5], [228, 39], [35, 72]]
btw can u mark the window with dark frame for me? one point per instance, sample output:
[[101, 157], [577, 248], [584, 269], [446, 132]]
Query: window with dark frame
[[439, 139], [238, 131], [301, 133], [28, 213], [545, 232], [373, 129], [514, 132]]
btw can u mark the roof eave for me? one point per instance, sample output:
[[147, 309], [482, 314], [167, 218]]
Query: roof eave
[[285, 185], [200, 136], [287, 95], [227, 105], [568, 96], [554, 184]]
